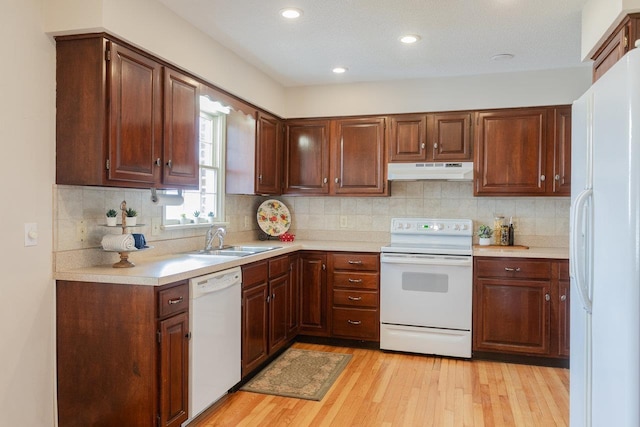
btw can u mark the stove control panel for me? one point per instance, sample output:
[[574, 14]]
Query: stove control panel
[[463, 227]]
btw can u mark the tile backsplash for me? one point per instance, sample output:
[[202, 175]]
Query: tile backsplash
[[79, 216]]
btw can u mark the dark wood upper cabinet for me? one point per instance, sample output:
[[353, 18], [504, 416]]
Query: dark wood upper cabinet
[[449, 136], [269, 155], [620, 41], [511, 152], [358, 163], [408, 138], [109, 124], [181, 130], [561, 151], [307, 157]]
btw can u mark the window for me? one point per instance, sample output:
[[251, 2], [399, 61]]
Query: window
[[208, 200]]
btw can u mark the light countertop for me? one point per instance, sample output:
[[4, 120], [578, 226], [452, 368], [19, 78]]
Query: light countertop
[[161, 270]]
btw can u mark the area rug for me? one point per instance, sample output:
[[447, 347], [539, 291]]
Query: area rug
[[303, 374]]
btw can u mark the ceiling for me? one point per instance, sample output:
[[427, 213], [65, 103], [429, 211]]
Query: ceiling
[[458, 37]]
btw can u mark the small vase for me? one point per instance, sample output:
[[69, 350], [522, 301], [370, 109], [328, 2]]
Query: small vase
[[112, 221], [485, 241], [210, 219], [132, 220]]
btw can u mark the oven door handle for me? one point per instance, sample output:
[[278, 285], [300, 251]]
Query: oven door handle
[[425, 259]]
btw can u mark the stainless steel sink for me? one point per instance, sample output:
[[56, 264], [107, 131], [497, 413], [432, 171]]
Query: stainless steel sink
[[235, 251]]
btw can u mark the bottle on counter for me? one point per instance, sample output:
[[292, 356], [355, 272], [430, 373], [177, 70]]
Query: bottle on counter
[[511, 232]]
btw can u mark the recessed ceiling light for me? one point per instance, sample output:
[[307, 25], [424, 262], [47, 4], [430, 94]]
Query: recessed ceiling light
[[291, 13], [502, 57], [410, 38], [340, 70]]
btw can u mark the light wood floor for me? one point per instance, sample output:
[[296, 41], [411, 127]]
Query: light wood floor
[[391, 389]]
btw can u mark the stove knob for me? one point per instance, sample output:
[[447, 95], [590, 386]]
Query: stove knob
[[456, 226], [439, 227], [463, 227]]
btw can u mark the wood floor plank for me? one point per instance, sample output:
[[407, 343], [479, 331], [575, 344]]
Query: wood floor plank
[[393, 389]]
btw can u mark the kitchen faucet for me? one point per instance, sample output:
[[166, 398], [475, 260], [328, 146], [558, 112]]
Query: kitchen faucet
[[220, 232]]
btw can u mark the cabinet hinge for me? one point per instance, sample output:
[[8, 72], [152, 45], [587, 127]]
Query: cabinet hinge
[[626, 42], [107, 55], [108, 164], [159, 336], [158, 420]]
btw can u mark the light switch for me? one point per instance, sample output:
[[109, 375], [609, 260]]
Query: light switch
[[30, 234]]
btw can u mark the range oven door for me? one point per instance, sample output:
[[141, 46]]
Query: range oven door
[[425, 303]]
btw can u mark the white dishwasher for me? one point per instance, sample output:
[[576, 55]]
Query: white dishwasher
[[214, 349]]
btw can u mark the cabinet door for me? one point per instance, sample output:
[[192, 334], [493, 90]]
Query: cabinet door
[[135, 117], [561, 151], [181, 130], [450, 136], [278, 305], [293, 297], [408, 138], [611, 52], [564, 325], [511, 157], [307, 157], [254, 327], [268, 155], [512, 316], [174, 370], [313, 300], [358, 161]]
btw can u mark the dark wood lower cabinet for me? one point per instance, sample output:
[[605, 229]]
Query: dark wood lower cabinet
[[521, 306], [122, 354], [313, 290]]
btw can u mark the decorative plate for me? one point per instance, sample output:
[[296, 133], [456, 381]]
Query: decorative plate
[[274, 217]]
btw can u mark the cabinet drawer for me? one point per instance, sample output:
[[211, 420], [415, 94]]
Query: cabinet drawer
[[278, 266], [173, 300], [254, 274], [346, 279], [356, 261], [355, 298], [512, 268], [356, 323]]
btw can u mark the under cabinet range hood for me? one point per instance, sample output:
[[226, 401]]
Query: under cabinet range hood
[[456, 171]]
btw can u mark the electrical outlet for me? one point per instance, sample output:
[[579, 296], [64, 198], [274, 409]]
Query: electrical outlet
[[156, 229], [81, 231], [343, 221]]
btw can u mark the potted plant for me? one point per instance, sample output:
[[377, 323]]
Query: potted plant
[[210, 217], [112, 217], [131, 216], [484, 234], [183, 218], [196, 217]]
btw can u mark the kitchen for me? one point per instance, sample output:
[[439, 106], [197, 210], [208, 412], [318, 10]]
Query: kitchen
[[30, 361]]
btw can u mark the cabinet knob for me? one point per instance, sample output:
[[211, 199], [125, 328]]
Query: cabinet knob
[[423, 145], [158, 161], [325, 180], [324, 267], [268, 298], [547, 297], [557, 177], [337, 180], [169, 163], [260, 177], [563, 297], [435, 145], [542, 178], [273, 296]]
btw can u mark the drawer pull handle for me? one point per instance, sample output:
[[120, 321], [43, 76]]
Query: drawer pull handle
[[354, 322], [354, 298], [512, 269], [357, 262], [175, 300], [355, 280]]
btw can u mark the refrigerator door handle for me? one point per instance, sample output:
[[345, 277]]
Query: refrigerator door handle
[[579, 265]]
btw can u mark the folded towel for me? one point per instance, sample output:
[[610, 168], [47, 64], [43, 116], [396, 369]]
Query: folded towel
[[118, 242], [141, 242]]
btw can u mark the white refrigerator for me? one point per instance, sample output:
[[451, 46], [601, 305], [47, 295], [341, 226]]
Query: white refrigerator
[[605, 250]]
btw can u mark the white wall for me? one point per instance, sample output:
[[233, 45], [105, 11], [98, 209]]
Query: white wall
[[599, 17], [154, 28], [547, 87], [26, 290]]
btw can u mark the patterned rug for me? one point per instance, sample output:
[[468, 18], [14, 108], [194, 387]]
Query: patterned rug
[[303, 374]]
